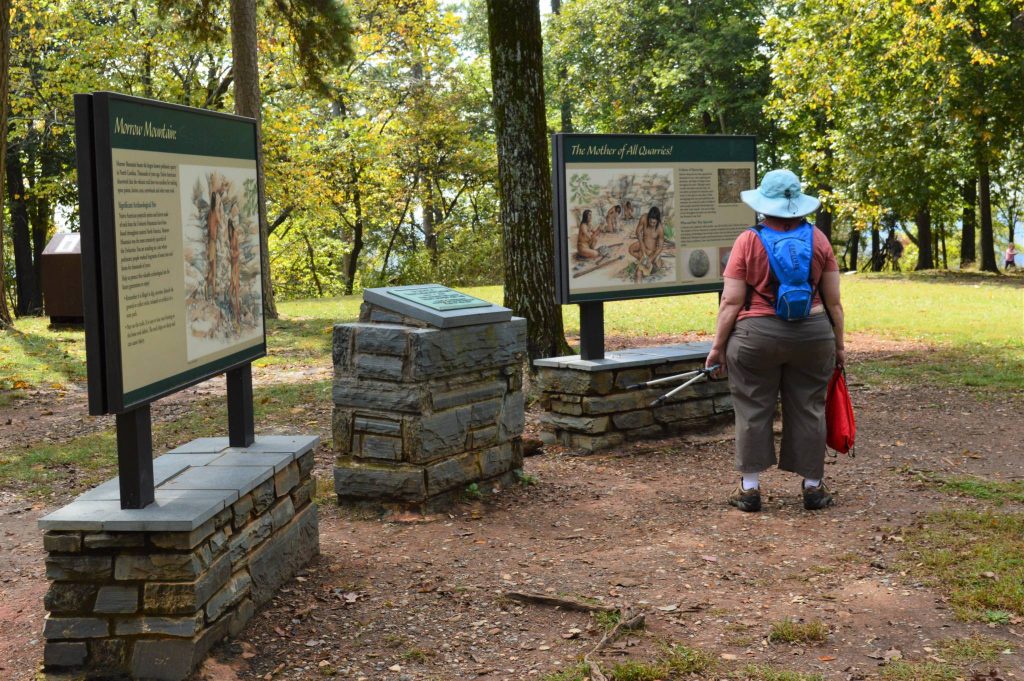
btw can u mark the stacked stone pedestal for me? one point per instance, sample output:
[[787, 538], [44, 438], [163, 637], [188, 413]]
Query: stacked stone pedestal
[[146, 593], [588, 404], [420, 413]]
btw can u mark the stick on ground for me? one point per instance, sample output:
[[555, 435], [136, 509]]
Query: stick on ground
[[568, 604]]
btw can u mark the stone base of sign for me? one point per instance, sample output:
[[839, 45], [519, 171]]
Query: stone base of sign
[[145, 593], [420, 413], [587, 405]]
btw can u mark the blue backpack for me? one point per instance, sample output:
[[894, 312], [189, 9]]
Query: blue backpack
[[789, 258]]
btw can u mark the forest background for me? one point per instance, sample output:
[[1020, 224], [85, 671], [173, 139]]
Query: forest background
[[903, 116]]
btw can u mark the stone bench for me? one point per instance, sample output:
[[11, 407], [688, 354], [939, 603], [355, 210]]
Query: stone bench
[[147, 592], [587, 405]]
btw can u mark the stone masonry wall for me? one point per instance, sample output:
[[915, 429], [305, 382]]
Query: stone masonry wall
[[421, 412], [592, 410], [151, 604]]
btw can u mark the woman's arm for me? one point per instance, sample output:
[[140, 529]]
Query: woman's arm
[[829, 288], [732, 300]]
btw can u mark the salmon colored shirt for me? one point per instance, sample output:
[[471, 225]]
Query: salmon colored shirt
[[749, 262]]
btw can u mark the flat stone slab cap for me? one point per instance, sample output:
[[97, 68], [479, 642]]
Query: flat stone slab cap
[[442, 319], [202, 445], [173, 511], [164, 468], [234, 458], [232, 481], [277, 444], [190, 488], [637, 357]]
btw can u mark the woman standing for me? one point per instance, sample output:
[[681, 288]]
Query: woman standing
[[767, 356]]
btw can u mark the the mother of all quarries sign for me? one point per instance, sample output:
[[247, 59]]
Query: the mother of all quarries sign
[[647, 215], [170, 246]]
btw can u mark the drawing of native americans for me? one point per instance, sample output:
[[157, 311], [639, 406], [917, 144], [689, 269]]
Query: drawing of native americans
[[620, 227], [222, 258]]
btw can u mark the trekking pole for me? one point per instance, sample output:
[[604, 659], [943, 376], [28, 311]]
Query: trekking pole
[[690, 377]]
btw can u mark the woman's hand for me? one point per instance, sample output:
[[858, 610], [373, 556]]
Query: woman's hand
[[716, 356], [840, 358]]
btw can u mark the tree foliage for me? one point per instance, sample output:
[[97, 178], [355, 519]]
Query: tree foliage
[[380, 149], [896, 105]]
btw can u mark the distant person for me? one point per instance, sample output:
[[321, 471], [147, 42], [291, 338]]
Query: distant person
[[627, 212], [586, 239], [771, 349], [895, 250], [1011, 258], [611, 219], [650, 242]]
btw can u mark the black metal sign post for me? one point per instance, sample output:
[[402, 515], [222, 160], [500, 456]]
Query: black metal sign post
[[135, 457], [137, 316], [241, 429], [592, 330]]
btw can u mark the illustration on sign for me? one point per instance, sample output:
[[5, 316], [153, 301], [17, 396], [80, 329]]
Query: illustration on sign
[[221, 253], [624, 226], [643, 215]]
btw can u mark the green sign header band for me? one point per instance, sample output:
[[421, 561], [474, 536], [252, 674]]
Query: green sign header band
[[148, 127], [651, 149]]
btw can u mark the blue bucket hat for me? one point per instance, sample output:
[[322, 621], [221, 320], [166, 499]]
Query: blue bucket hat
[[779, 196]]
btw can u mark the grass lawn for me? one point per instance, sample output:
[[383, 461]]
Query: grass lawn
[[973, 326], [974, 557], [45, 469]]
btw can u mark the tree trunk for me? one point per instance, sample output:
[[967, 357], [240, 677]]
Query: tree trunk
[[876, 250], [988, 247], [245, 65], [924, 239], [5, 53], [429, 230], [970, 195], [21, 237], [517, 76], [823, 221], [352, 261], [945, 258], [41, 215], [311, 254], [854, 248]]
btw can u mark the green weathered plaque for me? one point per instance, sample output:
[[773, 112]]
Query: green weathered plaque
[[437, 297]]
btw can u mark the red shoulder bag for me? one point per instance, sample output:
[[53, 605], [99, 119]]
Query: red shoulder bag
[[841, 426]]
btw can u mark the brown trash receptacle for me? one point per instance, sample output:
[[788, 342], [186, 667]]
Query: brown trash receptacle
[[62, 279]]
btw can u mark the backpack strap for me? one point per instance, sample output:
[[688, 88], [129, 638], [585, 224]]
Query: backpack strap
[[772, 279], [815, 287], [750, 289]]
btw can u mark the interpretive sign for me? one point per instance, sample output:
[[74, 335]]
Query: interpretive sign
[[170, 242], [438, 297], [647, 215]]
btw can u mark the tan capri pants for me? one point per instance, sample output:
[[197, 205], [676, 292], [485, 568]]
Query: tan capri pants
[[766, 357]]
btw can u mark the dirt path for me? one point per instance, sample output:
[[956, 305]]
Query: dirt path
[[644, 525]]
